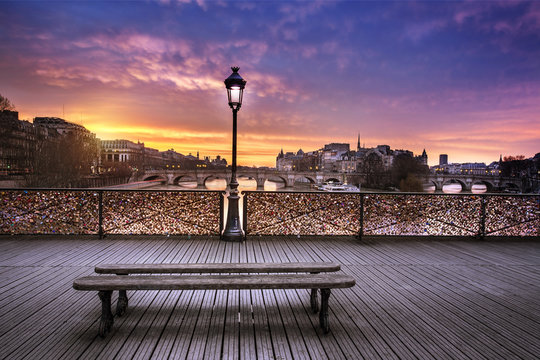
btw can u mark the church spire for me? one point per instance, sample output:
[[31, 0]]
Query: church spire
[[358, 144]]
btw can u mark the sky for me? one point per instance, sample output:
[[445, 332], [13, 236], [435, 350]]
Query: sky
[[453, 77]]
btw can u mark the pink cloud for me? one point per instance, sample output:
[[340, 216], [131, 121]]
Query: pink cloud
[[272, 85], [146, 64]]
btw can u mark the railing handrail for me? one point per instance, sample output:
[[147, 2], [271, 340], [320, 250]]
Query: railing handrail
[[395, 193], [107, 189], [480, 209]]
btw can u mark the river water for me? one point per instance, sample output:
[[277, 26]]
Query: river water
[[246, 184], [456, 189]]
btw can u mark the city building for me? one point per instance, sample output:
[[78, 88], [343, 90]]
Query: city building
[[348, 162], [26, 147], [492, 169], [217, 162], [54, 128], [381, 152], [473, 169], [122, 151], [338, 157], [443, 159], [62, 126], [331, 154], [422, 159], [288, 161], [152, 158], [17, 144]]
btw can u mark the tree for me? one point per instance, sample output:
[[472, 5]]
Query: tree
[[513, 158], [5, 104], [411, 184], [403, 167], [515, 166], [373, 170], [62, 161]]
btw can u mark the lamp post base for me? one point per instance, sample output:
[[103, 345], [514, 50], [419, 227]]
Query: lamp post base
[[233, 236], [233, 231]]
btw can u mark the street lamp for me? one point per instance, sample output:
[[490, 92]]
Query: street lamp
[[235, 89]]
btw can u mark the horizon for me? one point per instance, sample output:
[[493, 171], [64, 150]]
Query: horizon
[[456, 78]]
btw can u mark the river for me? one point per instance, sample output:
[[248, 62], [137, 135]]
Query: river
[[246, 184]]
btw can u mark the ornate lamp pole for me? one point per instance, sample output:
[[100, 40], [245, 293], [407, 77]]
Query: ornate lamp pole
[[235, 89]]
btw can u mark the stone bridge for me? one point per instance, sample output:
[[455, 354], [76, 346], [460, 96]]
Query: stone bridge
[[492, 183], [172, 177]]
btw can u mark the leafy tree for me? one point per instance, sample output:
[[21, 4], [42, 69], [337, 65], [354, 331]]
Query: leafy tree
[[5, 104], [411, 184], [405, 166]]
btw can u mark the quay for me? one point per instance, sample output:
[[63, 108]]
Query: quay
[[415, 298]]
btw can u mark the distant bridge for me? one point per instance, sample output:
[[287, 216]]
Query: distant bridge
[[172, 177], [289, 178], [467, 181]]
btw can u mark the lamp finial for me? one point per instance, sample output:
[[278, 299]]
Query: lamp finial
[[235, 68]]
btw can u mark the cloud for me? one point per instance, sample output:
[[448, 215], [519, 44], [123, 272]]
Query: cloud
[[317, 72], [187, 65]]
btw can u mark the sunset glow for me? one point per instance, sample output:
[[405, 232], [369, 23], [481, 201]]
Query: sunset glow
[[460, 78]]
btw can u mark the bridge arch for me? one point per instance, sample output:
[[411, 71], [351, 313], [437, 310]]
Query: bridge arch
[[450, 181], [488, 184], [301, 177], [183, 177], [432, 182], [277, 178], [331, 179], [212, 176], [156, 177]]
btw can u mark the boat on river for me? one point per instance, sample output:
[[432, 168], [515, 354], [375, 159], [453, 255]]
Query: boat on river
[[338, 187]]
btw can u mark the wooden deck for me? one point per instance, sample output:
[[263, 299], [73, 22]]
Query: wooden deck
[[413, 299]]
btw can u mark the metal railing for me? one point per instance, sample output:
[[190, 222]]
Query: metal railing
[[415, 214], [102, 212], [200, 212]]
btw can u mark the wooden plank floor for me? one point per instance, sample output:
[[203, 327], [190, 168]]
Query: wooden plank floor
[[414, 299]]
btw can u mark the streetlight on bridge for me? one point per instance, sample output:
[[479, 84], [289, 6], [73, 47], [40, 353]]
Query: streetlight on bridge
[[235, 89]]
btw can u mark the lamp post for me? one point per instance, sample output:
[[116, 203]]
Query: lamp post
[[235, 89]]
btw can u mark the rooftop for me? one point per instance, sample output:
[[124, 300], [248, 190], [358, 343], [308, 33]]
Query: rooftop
[[430, 299]]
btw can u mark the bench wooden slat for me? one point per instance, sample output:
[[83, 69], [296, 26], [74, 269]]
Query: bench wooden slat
[[219, 282], [124, 269]]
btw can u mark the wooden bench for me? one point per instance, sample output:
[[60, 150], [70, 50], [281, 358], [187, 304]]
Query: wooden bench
[[214, 268], [105, 285]]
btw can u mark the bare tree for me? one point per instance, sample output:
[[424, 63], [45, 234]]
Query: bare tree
[[373, 170], [5, 104], [63, 161]]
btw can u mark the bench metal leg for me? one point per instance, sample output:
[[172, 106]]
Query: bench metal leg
[[323, 315], [122, 303], [107, 318], [314, 301]]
